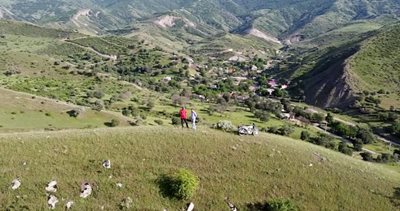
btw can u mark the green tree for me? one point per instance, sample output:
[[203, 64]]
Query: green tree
[[344, 148], [114, 123], [305, 135], [262, 115], [358, 145], [286, 130], [367, 156], [395, 128], [329, 118], [317, 117], [365, 135]]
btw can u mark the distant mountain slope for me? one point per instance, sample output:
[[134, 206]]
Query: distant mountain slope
[[377, 64], [369, 62], [325, 32], [276, 18]]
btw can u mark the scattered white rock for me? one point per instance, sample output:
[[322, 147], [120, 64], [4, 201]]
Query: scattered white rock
[[190, 207], [231, 206], [16, 183], [107, 164], [52, 186], [119, 185], [69, 204], [86, 190], [52, 201], [126, 203]]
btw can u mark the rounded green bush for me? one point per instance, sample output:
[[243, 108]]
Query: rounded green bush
[[281, 205], [180, 185], [175, 120]]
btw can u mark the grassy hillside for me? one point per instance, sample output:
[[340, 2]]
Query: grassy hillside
[[377, 64], [356, 59], [24, 112], [247, 169]]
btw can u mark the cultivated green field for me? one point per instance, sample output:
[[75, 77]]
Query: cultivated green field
[[246, 169]]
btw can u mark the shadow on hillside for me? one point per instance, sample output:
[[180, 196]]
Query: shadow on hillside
[[108, 124], [395, 199], [165, 184], [257, 206]]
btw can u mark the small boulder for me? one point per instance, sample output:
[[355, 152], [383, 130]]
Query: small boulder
[[68, 205], [15, 184], [107, 164], [52, 186], [52, 201], [86, 190], [126, 203]]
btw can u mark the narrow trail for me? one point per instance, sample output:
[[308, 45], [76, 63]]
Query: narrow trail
[[387, 141], [111, 57]]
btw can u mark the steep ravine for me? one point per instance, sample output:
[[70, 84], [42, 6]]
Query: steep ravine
[[331, 87]]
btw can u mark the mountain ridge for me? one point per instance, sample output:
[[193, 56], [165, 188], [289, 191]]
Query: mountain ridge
[[277, 18]]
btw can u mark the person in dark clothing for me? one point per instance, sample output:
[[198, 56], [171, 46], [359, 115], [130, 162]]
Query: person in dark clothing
[[183, 115]]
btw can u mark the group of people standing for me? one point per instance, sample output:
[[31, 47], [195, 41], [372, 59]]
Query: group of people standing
[[183, 116]]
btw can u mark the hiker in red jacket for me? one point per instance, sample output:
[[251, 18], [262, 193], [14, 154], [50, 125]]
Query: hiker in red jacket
[[183, 115]]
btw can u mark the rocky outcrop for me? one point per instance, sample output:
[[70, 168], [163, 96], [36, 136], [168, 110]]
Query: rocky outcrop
[[257, 33], [331, 87], [169, 21]]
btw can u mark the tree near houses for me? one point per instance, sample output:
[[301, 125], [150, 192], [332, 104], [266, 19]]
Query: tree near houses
[[367, 156], [365, 135], [345, 149], [395, 129], [305, 135], [329, 118]]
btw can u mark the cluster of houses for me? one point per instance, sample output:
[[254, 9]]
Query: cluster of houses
[[273, 85]]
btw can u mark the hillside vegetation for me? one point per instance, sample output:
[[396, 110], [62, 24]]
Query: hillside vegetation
[[278, 18], [377, 64], [236, 63], [248, 170], [24, 112], [344, 65]]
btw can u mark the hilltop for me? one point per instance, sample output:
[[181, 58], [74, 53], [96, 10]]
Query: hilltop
[[249, 170]]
